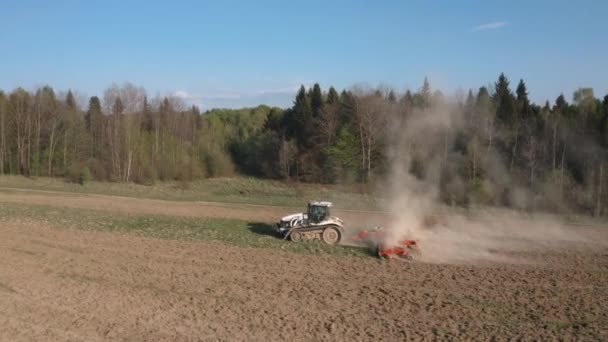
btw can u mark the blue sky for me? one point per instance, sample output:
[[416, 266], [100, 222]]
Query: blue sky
[[236, 53]]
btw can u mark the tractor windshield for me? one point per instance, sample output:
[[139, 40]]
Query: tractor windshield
[[318, 213]]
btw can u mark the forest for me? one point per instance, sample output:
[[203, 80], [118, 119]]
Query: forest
[[487, 146]]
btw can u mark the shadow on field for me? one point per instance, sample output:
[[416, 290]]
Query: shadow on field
[[360, 248], [262, 229]]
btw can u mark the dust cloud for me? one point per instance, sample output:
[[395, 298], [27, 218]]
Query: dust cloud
[[419, 151]]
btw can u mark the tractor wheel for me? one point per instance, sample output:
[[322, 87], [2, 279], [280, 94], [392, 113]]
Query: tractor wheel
[[295, 236], [331, 235]]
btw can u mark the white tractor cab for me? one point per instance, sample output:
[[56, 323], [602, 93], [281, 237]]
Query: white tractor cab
[[316, 224]]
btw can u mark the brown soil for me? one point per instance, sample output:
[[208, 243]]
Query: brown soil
[[85, 286], [64, 285]]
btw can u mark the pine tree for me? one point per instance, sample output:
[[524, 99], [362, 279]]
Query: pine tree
[[505, 102], [70, 101], [470, 101], [115, 142], [424, 94], [426, 89], [332, 96], [407, 100], [148, 119], [522, 99], [506, 113], [485, 114], [345, 113], [93, 114], [71, 123], [94, 124], [561, 104], [392, 98], [196, 114], [483, 99], [302, 114], [316, 101], [604, 122], [469, 109]]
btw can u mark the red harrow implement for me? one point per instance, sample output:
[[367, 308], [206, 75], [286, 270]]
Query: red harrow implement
[[377, 238]]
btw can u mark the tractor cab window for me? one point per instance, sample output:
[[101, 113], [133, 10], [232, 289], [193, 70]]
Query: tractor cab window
[[318, 213]]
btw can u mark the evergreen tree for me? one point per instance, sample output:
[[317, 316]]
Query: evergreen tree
[[345, 112], [485, 114], [522, 99], [561, 107], [483, 99], [322, 138], [469, 109], [392, 98], [407, 100], [504, 102], [94, 124], [604, 122], [70, 101], [424, 94], [94, 115], [148, 119], [425, 91], [316, 101], [302, 115], [164, 109], [332, 96], [274, 120], [561, 104], [198, 119], [470, 101]]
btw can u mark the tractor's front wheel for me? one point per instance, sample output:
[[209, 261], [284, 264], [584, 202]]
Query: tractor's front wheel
[[331, 235], [295, 236]]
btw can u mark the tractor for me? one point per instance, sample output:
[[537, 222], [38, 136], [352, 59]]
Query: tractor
[[316, 224]]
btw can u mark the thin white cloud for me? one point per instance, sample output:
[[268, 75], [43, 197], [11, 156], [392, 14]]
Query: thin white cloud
[[222, 97], [221, 94], [182, 94], [490, 26], [211, 94], [229, 94], [283, 90]]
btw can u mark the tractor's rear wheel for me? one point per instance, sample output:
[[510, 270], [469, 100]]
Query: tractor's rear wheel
[[295, 236], [330, 235]]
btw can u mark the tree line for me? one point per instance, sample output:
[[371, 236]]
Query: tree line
[[488, 146]]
